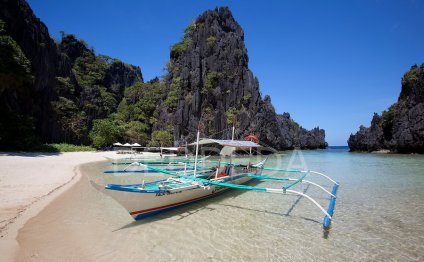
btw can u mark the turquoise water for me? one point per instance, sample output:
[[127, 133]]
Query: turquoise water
[[379, 216]]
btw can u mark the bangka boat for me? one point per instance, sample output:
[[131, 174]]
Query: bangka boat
[[197, 181]]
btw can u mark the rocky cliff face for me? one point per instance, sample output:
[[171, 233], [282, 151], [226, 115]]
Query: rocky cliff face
[[68, 87], [401, 127], [62, 103], [209, 79], [33, 38]]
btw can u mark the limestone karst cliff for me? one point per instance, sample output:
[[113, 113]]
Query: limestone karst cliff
[[57, 90], [209, 78], [69, 86]]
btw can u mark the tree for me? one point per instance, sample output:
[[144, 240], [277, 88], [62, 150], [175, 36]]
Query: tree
[[105, 132], [163, 137], [136, 132]]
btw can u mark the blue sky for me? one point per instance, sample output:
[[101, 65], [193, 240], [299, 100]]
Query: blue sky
[[328, 63]]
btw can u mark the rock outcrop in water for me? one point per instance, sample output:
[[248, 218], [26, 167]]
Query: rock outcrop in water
[[401, 127], [209, 79]]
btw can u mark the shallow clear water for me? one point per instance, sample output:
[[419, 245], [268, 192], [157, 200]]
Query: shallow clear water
[[379, 216]]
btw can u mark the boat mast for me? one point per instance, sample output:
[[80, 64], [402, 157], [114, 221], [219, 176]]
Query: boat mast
[[197, 149]]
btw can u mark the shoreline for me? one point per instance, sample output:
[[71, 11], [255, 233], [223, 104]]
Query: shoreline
[[29, 182], [82, 224]]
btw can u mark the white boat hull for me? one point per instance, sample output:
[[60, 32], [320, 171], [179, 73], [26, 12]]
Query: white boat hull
[[141, 205]]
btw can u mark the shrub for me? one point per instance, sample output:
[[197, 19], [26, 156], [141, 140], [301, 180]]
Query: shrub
[[231, 115], [180, 47], [189, 98], [387, 122], [211, 40], [105, 132], [210, 83], [245, 99], [188, 32], [64, 148], [174, 94]]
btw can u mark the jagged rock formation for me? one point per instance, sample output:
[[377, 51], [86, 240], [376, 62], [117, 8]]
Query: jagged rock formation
[[57, 90], [209, 79], [60, 102], [401, 127]]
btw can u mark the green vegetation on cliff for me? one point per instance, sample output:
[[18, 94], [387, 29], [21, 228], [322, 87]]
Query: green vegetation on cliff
[[134, 119], [15, 68], [17, 130]]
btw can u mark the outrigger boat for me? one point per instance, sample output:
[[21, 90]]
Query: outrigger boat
[[198, 181]]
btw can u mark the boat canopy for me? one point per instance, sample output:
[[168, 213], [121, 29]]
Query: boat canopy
[[172, 148], [231, 143]]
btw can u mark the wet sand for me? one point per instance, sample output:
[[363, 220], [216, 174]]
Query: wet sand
[[28, 183]]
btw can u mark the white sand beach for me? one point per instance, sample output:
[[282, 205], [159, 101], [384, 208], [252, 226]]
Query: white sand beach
[[30, 181]]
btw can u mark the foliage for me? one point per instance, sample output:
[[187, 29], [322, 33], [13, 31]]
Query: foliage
[[188, 32], [163, 137], [105, 132], [237, 52], [63, 148], [15, 68], [211, 40], [140, 101], [411, 76], [210, 83], [135, 114], [136, 132], [108, 60], [245, 99], [180, 47], [409, 81], [70, 119], [64, 86], [231, 114], [89, 69], [387, 122], [107, 101], [189, 98], [171, 101]]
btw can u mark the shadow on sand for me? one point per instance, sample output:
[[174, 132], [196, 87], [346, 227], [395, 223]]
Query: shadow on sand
[[30, 154]]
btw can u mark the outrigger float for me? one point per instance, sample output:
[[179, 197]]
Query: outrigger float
[[194, 180]]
